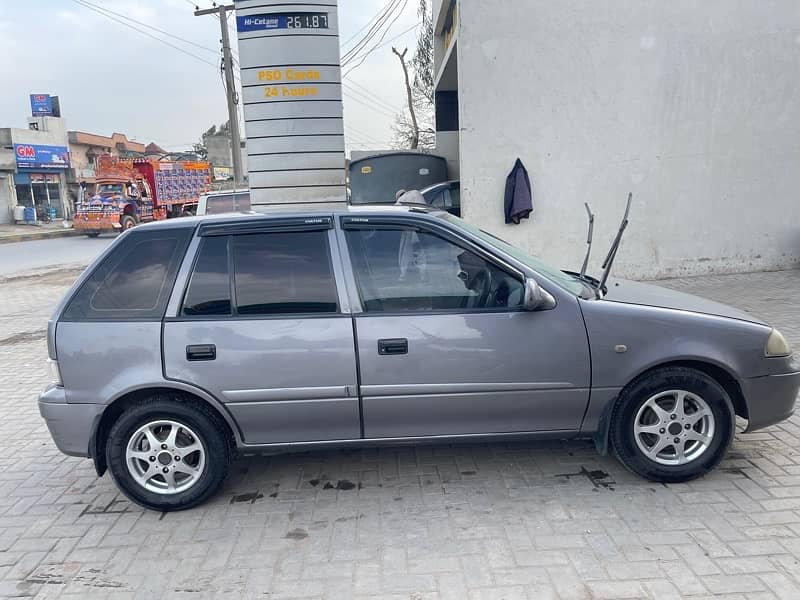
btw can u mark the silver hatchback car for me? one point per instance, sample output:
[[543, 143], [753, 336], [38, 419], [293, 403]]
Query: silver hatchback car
[[190, 340]]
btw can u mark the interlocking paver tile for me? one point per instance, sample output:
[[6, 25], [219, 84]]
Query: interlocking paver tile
[[435, 523]]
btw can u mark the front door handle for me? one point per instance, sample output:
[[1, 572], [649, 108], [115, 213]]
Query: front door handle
[[393, 346], [201, 352]]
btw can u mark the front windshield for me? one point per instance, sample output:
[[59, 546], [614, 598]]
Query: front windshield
[[568, 282], [109, 188]]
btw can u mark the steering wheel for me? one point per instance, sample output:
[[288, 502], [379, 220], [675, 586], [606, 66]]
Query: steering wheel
[[482, 284]]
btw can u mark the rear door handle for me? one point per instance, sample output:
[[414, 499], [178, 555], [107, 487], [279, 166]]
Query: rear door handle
[[393, 346], [201, 352]]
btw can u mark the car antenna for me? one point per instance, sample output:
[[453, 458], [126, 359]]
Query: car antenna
[[588, 240], [612, 252]]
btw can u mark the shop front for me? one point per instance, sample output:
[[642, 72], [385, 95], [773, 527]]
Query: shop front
[[40, 180]]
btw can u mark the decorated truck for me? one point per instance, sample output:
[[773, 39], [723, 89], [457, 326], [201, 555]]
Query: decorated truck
[[133, 191]]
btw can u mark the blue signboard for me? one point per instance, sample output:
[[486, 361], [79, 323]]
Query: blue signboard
[[41, 105], [304, 20], [34, 156]]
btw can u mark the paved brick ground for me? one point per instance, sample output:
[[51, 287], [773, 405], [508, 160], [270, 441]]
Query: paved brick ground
[[473, 522]]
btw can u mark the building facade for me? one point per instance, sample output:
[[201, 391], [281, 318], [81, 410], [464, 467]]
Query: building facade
[[693, 107], [33, 166]]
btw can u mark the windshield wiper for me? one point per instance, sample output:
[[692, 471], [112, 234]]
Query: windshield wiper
[[612, 252], [588, 240]]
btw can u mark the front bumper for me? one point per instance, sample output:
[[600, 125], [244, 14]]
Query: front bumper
[[96, 222], [70, 425], [770, 399]]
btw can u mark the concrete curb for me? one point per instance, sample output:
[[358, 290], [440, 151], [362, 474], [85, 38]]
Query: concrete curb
[[38, 235]]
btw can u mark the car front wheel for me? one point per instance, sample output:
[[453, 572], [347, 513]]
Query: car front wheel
[[672, 424], [167, 454]]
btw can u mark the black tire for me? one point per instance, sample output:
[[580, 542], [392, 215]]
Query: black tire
[[127, 222], [638, 392], [93, 234], [213, 436]]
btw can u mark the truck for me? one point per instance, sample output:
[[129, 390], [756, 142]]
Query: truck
[[140, 190]]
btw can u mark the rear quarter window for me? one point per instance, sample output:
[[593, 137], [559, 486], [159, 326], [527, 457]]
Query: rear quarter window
[[134, 281]]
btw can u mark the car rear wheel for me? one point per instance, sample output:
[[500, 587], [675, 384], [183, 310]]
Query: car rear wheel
[[672, 424], [167, 454]]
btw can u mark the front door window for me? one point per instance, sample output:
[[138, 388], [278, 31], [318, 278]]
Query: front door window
[[406, 269]]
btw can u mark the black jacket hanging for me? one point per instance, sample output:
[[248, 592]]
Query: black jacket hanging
[[519, 194]]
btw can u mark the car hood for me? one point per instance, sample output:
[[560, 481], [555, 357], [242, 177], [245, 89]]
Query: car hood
[[634, 292]]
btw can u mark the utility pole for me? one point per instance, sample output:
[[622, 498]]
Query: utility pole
[[230, 88]]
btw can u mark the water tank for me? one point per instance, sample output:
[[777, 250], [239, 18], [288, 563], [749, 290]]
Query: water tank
[[19, 213], [377, 179], [29, 214]]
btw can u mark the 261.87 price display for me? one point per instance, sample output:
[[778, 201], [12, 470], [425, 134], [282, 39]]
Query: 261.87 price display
[[307, 21]]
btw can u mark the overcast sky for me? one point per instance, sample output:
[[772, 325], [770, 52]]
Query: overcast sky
[[111, 78]]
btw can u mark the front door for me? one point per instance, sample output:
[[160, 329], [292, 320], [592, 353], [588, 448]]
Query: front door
[[444, 347], [261, 329]]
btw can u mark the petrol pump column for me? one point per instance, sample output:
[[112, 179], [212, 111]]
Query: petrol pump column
[[292, 99]]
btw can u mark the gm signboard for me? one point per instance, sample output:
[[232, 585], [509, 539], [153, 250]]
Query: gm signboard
[[41, 105], [35, 156], [292, 97]]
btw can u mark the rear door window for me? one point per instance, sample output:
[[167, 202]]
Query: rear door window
[[134, 281], [209, 291], [283, 273]]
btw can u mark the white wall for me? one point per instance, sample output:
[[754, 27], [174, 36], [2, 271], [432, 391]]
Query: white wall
[[6, 197], [693, 106]]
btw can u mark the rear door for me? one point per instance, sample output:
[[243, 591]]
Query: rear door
[[262, 328], [444, 347]]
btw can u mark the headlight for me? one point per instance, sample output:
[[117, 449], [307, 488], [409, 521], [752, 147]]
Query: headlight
[[777, 345], [55, 373]]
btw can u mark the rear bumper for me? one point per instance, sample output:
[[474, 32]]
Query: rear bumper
[[770, 399], [70, 425]]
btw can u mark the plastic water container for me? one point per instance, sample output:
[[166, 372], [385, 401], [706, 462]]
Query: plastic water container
[[30, 214], [51, 212], [19, 213]]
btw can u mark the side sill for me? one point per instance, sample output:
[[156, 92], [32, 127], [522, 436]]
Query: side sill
[[470, 438]]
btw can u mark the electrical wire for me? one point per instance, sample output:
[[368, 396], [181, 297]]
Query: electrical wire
[[372, 107], [132, 20], [383, 36], [383, 17], [390, 40], [363, 57], [354, 141], [362, 134], [368, 24], [158, 39], [372, 96]]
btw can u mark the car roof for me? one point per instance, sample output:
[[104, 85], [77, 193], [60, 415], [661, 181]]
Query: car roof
[[442, 185], [288, 211], [226, 192]]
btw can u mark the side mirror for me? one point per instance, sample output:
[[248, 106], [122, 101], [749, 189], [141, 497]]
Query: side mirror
[[535, 297]]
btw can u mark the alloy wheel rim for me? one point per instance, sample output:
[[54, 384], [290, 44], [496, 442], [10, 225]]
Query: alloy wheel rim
[[165, 457], [674, 427]]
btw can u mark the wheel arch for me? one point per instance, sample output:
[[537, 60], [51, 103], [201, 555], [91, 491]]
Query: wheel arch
[[718, 373], [130, 398]]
